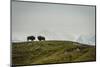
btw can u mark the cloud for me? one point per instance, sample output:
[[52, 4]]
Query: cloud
[[87, 39]]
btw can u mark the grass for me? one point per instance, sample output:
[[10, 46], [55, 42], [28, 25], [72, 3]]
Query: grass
[[46, 52]]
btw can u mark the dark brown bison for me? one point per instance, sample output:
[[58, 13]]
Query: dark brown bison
[[32, 38], [40, 38]]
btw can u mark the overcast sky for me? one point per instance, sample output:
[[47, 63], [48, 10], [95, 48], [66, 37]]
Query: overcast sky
[[54, 21]]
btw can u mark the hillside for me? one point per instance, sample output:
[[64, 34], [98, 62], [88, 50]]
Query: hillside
[[47, 52]]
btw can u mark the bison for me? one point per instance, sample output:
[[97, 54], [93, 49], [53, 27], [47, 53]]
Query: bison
[[40, 38], [32, 38]]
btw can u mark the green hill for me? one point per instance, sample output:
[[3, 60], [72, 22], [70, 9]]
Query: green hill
[[46, 52]]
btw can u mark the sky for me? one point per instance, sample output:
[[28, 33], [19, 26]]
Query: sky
[[54, 21]]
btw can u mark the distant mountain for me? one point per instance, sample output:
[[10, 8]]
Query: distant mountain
[[87, 39]]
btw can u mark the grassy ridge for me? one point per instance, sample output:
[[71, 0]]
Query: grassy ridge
[[42, 52]]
